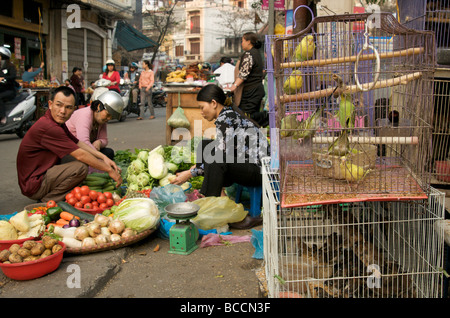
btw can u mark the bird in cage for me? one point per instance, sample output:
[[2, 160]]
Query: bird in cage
[[346, 111], [288, 124], [352, 172], [305, 49], [293, 83], [341, 145], [307, 127]]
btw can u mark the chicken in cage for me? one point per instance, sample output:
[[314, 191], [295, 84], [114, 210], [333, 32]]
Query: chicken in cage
[[353, 110]]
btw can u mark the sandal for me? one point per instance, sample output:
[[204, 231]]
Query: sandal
[[139, 118], [247, 223], [152, 117]]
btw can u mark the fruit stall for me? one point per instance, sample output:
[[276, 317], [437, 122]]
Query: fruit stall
[[96, 215]]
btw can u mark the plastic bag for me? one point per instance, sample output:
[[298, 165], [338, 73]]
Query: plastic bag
[[216, 212], [258, 243], [178, 119], [163, 196]]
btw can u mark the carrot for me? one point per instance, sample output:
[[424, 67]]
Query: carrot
[[50, 224], [62, 222], [67, 216]]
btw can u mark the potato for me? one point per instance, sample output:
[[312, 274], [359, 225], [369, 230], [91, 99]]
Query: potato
[[29, 258], [4, 255], [23, 252], [38, 249], [49, 242], [14, 248], [15, 258], [46, 253], [56, 248], [29, 244]]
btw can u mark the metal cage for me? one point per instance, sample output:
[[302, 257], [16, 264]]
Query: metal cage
[[352, 250], [353, 104]]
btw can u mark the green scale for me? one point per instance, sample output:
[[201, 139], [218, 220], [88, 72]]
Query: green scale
[[183, 235]]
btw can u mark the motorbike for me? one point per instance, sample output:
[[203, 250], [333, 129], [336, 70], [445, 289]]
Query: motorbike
[[101, 86], [159, 97], [19, 113]]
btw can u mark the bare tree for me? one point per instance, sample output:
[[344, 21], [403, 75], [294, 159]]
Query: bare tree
[[161, 22]]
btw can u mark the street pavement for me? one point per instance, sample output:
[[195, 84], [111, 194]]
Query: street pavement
[[140, 270]]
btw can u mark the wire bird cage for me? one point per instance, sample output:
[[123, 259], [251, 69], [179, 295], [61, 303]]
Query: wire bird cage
[[353, 110], [355, 250], [440, 166]]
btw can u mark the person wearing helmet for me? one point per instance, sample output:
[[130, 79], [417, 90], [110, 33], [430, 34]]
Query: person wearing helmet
[[8, 82], [133, 77], [112, 75], [51, 161], [89, 124]]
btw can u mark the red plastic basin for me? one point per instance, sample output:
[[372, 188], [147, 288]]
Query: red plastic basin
[[34, 269], [4, 245]]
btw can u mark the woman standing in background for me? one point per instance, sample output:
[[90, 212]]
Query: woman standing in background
[[250, 75], [146, 81]]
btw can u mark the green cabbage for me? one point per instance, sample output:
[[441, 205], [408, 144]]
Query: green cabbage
[[139, 214], [156, 167], [137, 166], [142, 179], [143, 155]]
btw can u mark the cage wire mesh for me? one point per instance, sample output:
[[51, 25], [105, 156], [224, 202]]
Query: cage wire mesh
[[354, 250], [352, 108], [440, 166]]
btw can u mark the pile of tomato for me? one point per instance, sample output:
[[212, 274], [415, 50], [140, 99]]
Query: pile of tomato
[[85, 198]]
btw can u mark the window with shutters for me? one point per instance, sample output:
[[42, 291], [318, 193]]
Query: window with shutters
[[195, 48], [195, 24], [179, 50]]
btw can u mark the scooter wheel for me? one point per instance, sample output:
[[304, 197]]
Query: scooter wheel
[[22, 130]]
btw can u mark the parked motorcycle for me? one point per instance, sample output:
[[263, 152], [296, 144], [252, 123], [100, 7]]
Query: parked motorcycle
[[19, 114], [101, 86], [159, 98]]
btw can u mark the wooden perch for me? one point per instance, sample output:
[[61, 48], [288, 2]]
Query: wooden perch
[[401, 80], [350, 59]]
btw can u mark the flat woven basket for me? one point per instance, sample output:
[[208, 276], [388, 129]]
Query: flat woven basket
[[111, 245], [34, 205]]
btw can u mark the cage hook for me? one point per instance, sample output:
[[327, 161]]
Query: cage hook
[[366, 47]]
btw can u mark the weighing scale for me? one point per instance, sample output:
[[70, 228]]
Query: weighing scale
[[183, 235]]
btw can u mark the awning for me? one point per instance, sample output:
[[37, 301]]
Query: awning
[[130, 38]]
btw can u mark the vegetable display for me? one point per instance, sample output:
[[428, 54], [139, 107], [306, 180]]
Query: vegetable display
[[86, 198], [22, 226]]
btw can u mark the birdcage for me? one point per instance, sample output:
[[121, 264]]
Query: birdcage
[[353, 250], [440, 166], [353, 110]]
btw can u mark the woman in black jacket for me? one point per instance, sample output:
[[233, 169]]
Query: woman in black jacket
[[250, 76]]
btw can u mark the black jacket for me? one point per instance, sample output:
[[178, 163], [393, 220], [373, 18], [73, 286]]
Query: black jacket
[[9, 73]]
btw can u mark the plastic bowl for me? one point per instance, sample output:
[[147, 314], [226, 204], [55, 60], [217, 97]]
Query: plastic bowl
[[34, 269], [4, 245]]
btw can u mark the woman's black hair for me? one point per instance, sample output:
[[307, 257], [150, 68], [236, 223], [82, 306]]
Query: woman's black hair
[[150, 66], [253, 38], [211, 92], [76, 68], [95, 104]]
